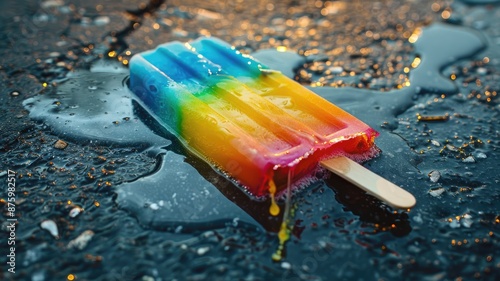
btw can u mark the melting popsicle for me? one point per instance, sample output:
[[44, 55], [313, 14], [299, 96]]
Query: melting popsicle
[[250, 122]]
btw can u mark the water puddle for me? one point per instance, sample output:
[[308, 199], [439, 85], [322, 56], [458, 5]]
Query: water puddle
[[183, 194], [93, 107]]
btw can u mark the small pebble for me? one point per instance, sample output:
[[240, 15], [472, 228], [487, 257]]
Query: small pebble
[[208, 15], [60, 144], [202, 250], [481, 155], [435, 143], [147, 278], [482, 71], [82, 240], [469, 159], [336, 69], [451, 147], [52, 3], [436, 192], [61, 43], [75, 212], [466, 220], [154, 206], [14, 93], [85, 20], [286, 265], [102, 20], [51, 227], [180, 33], [54, 54], [434, 176]]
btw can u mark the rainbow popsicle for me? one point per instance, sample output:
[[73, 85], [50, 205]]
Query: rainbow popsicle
[[248, 121]]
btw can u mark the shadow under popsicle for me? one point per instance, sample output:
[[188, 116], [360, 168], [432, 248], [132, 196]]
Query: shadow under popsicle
[[368, 208], [189, 195]]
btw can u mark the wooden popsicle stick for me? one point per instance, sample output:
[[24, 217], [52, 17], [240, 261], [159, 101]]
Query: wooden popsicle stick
[[370, 182]]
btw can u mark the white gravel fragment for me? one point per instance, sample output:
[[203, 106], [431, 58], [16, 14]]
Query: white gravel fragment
[[467, 220], [51, 227], [336, 69], [434, 176], [82, 240], [436, 192], [451, 147], [75, 212], [481, 155], [203, 250], [101, 20], [435, 143], [469, 159], [286, 265], [482, 71]]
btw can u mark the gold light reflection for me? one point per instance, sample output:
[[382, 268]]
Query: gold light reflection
[[414, 36], [446, 14], [416, 62], [281, 49]]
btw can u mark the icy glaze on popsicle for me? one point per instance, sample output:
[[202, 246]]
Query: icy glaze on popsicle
[[250, 122]]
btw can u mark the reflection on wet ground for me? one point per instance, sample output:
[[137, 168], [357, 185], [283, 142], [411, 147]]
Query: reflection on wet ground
[[151, 205]]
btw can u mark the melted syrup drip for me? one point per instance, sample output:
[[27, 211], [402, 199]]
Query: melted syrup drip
[[274, 209], [284, 232]]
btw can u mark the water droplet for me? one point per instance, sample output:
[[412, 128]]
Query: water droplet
[[454, 224], [178, 229], [235, 222], [418, 218]]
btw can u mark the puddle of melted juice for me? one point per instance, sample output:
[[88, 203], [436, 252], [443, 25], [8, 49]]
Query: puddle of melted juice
[[185, 194], [93, 107]]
